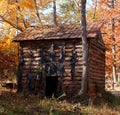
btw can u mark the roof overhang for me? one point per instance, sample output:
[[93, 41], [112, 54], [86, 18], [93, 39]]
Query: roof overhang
[[57, 32]]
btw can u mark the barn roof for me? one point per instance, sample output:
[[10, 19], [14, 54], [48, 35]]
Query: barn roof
[[57, 32]]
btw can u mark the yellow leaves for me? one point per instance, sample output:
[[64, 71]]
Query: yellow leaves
[[13, 32], [30, 4], [12, 8], [22, 13], [2, 2], [9, 8], [6, 26], [16, 15], [8, 42], [21, 25], [44, 3], [27, 4], [5, 43], [107, 12], [9, 51], [3, 7]]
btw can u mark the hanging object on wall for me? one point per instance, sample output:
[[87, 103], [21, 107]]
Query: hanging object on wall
[[30, 53], [62, 55], [52, 66], [44, 58], [60, 66], [30, 82], [52, 53], [73, 62], [60, 69]]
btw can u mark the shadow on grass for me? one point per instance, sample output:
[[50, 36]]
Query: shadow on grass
[[110, 99], [12, 103]]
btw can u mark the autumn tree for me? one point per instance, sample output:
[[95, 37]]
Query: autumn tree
[[107, 11], [113, 44], [15, 16]]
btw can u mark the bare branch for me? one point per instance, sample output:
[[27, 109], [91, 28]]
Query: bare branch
[[18, 9], [95, 9], [77, 3], [12, 24], [37, 13], [54, 12]]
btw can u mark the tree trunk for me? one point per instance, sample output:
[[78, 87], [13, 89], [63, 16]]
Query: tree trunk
[[113, 54], [19, 72], [54, 12], [84, 48], [113, 48]]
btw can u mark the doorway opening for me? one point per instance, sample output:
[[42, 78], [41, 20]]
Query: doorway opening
[[51, 86]]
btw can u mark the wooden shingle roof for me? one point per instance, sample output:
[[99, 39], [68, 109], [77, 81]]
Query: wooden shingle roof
[[57, 32]]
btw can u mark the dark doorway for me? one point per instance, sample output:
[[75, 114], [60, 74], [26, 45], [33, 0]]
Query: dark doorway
[[51, 86]]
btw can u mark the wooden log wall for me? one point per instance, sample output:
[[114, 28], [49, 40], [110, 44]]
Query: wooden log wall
[[96, 72], [31, 54]]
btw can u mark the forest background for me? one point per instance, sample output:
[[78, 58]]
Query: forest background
[[17, 15]]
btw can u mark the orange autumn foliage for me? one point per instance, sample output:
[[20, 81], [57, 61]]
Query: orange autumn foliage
[[8, 56], [106, 11], [15, 15]]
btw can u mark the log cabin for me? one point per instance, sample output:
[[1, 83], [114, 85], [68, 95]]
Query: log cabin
[[57, 51]]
